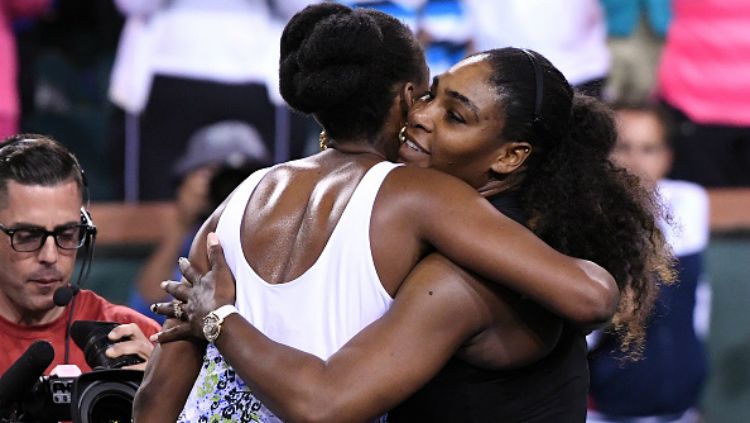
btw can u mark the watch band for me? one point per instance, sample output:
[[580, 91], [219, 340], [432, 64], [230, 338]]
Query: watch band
[[224, 311]]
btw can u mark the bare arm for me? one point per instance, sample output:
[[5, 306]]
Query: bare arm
[[435, 311], [172, 368], [467, 229]]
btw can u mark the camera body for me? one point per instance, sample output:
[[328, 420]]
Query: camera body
[[102, 395], [98, 396]]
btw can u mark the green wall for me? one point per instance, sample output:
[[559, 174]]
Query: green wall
[[727, 396]]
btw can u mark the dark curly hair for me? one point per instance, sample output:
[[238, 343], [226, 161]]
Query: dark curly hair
[[343, 65], [575, 199]]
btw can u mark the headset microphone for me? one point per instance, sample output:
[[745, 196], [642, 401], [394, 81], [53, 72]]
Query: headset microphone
[[64, 294]]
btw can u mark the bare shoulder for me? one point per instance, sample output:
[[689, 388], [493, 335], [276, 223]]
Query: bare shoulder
[[427, 190], [425, 180]]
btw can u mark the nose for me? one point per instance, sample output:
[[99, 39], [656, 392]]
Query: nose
[[419, 116], [49, 252]]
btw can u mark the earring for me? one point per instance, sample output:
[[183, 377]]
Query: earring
[[402, 134], [526, 149], [323, 140]]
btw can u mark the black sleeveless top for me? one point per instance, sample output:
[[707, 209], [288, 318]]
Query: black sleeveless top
[[553, 389]]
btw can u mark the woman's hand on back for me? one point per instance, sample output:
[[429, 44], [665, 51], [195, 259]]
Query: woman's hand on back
[[198, 294]]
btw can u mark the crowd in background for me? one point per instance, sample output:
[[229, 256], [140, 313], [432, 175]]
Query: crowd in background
[[125, 83], [177, 100]]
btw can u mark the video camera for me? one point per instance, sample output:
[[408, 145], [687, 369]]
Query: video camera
[[103, 395]]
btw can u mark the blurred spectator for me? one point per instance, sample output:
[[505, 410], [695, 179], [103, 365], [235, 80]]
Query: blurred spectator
[[442, 26], [636, 31], [9, 101], [704, 76], [65, 61], [665, 384], [571, 34], [218, 158], [184, 64]]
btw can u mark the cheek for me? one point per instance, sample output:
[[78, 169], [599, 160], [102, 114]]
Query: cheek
[[468, 164], [658, 166], [66, 261], [14, 272]]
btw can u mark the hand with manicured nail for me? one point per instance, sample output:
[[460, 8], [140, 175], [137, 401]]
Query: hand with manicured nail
[[196, 296]]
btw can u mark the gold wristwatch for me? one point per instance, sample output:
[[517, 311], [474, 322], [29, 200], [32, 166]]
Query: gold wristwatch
[[213, 320]]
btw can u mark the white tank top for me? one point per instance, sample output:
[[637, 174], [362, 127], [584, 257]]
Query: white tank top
[[318, 312]]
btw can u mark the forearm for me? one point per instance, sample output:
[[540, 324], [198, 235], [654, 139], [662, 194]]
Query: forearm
[[376, 370], [469, 231], [508, 254], [577, 290], [170, 374], [293, 384]]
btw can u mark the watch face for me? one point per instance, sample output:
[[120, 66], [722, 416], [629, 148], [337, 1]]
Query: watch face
[[211, 327]]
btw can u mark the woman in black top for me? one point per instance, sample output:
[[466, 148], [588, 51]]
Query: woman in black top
[[567, 192]]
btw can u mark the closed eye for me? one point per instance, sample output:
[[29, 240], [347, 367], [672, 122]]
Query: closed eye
[[456, 117]]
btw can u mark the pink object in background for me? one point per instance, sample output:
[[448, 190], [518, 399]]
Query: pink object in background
[[9, 107], [705, 67]]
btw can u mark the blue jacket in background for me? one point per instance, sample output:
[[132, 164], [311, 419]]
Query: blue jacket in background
[[623, 15]]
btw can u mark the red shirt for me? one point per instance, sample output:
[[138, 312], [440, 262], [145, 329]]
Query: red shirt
[[15, 338]]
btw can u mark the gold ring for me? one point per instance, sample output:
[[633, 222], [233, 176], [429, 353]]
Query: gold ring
[[178, 312]]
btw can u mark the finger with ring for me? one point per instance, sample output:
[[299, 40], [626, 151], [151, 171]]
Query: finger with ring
[[178, 312], [171, 309]]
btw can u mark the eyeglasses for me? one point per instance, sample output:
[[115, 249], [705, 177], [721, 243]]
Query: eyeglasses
[[26, 240]]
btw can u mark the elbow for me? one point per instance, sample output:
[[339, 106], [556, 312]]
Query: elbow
[[320, 412], [601, 299], [321, 408]]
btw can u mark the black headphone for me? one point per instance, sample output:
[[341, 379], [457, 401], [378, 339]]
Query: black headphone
[[65, 294]]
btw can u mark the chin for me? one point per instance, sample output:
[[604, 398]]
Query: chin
[[411, 158]]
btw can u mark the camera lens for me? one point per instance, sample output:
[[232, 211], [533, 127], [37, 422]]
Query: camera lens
[[107, 402], [92, 338]]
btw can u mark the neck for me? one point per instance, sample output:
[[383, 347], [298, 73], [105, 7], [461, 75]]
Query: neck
[[498, 186], [34, 318], [13, 313], [357, 148]]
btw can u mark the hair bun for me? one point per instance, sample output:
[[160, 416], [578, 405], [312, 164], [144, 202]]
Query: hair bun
[[327, 55], [592, 125]]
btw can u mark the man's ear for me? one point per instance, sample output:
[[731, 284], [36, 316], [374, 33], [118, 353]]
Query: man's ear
[[511, 157]]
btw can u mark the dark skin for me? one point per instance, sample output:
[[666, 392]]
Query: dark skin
[[288, 220]]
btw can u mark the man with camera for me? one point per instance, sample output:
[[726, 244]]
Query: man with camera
[[44, 224]]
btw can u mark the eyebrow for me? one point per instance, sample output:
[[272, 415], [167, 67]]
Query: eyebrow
[[458, 96], [28, 225]]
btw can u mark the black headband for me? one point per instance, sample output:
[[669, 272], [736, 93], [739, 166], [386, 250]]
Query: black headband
[[539, 91]]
